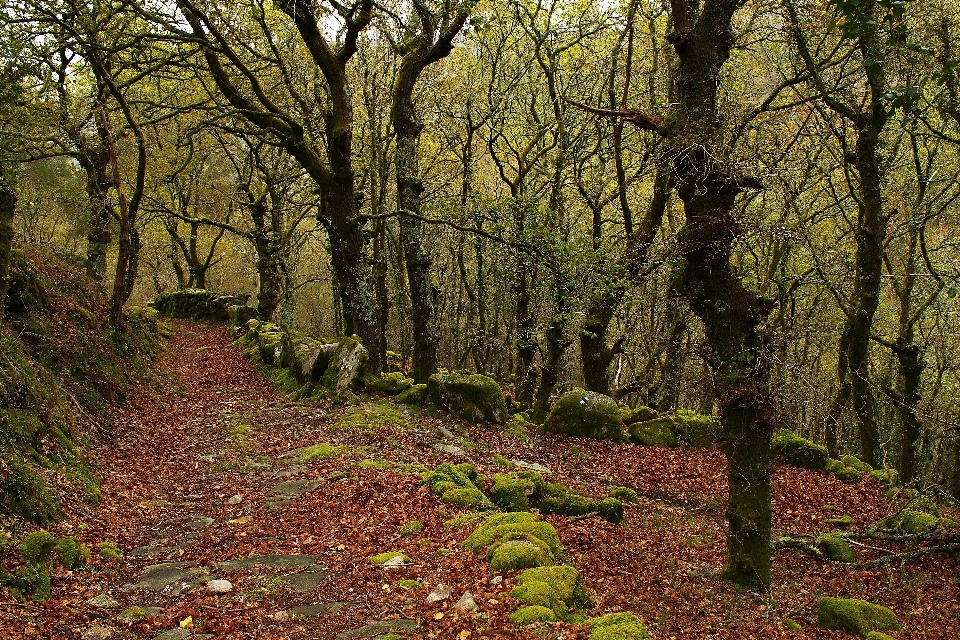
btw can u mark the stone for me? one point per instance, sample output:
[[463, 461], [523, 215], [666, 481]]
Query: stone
[[346, 365], [173, 634], [474, 398], [235, 499], [467, 603], [281, 616], [171, 577], [452, 449], [316, 361], [379, 628], [856, 616], [586, 414], [531, 466], [97, 633], [304, 582], [442, 592], [654, 433], [795, 451], [219, 587], [103, 601], [313, 610], [200, 523], [395, 561], [273, 561], [134, 614]]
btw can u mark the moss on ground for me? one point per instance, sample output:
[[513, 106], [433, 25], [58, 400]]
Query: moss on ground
[[532, 614], [842, 472], [658, 432], [855, 616], [474, 397], [382, 558], [585, 414], [618, 626], [837, 549], [798, 452], [698, 430]]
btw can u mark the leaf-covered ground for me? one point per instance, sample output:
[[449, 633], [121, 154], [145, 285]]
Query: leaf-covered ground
[[201, 472]]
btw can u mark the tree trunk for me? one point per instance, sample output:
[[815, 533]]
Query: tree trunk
[[96, 166], [8, 205], [557, 344]]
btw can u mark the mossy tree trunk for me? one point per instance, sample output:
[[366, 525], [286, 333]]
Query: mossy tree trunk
[[8, 206], [427, 38]]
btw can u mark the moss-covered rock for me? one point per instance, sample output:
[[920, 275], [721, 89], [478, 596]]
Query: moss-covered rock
[[198, 304], [523, 552], [585, 414], [109, 551], [654, 433], [531, 614], [389, 384], [415, 395], [37, 546], [474, 398], [887, 477], [72, 553], [855, 616], [910, 521], [840, 522], [561, 500], [617, 626], [856, 463], [469, 497], [455, 484], [319, 451], [624, 494], [345, 366], [842, 472], [640, 414], [387, 556], [511, 492], [513, 526], [876, 635], [837, 549], [791, 449], [563, 580], [697, 430], [25, 494]]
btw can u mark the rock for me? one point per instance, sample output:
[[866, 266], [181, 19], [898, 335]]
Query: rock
[[791, 449], [103, 601], [173, 634], [451, 449], [133, 614], [442, 592], [856, 616], [97, 633], [531, 466], [654, 433], [585, 414], [201, 523], [235, 499], [618, 625], [496, 580], [281, 616], [389, 559], [171, 577], [273, 561], [697, 430], [313, 610], [474, 398], [306, 581], [534, 613], [836, 549], [219, 587], [346, 365], [379, 628], [395, 561], [415, 395], [316, 361], [197, 304], [467, 603]]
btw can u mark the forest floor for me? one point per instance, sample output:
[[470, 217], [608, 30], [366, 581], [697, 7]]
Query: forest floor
[[200, 474]]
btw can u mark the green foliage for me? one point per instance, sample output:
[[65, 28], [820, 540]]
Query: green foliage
[[791, 625], [697, 430], [511, 493], [798, 452], [515, 525], [855, 616], [585, 414], [454, 483], [411, 528], [842, 471], [624, 494], [109, 551], [390, 384], [322, 450], [72, 553]]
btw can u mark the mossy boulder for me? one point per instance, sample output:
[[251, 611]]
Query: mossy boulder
[[697, 430], [414, 395], [886, 477], [840, 522], [856, 463], [456, 484], [389, 384], [837, 549], [640, 414], [586, 414], [624, 494], [521, 552], [345, 365], [654, 433], [910, 521], [388, 556], [618, 626], [855, 616], [530, 615], [511, 492], [793, 450], [558, 587], [842, 472], [516, 526], [561, 500], [109, 551], [72, 553], [239, 315], [473, 397], [198, 304]]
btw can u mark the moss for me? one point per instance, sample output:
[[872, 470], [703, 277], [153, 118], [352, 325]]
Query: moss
[[840, 522], [519, 554], [887, 477], [561, 500], [198, 304], [72, 553], [370, 416], [409, 584], [798, 452], [611, 510], [411, 528], [585, 414], [511, 493], [466, 497], [624, 494], [640, 414], [37, 546], [109, 551], [322, 450], [474, 398], [454, 524], [876, 635], [133, 614], [856, 463], [855, 616], [540, 594], [697, 430], [26, 494], [842, 472], [389, 384], [618, 626], [654, 433], [791, 625], [563, 580], [504, 526], [416, 394], [836, 549], [531, 614], [381, 558], [910, 521]]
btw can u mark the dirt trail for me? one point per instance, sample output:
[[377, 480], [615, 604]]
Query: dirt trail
[[206, 479]]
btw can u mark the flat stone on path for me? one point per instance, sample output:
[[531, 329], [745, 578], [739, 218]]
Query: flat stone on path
[[161, 577], [173, 634], [294, 488], [200, 523], [103, 601], [442, 592], [219, 587], [452, 449], [314, 610], [273, 561], [532, 466], [379, 628], [97, 633], [306, 581]]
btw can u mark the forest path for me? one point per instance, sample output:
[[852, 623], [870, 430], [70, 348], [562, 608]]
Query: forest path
[[206, 478]]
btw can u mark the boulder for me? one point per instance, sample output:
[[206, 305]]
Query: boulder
[[855, 616], [586, 414], [474, 397], [346, 365], [198, 304], [654, 433], [314, 362], [791, 449]]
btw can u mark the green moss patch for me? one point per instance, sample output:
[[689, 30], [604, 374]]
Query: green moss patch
[[836, 549], [474, 398], [511, 526], [198, 304], [322, 450], [532, 614], [382, 558], [618, 626], [654, 433], [454, 483], [415, 395], [585, 414], [389, 384], [910, 521], [855, 616], [698, 430], [842, 472], [840, 522], [791, 449]]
